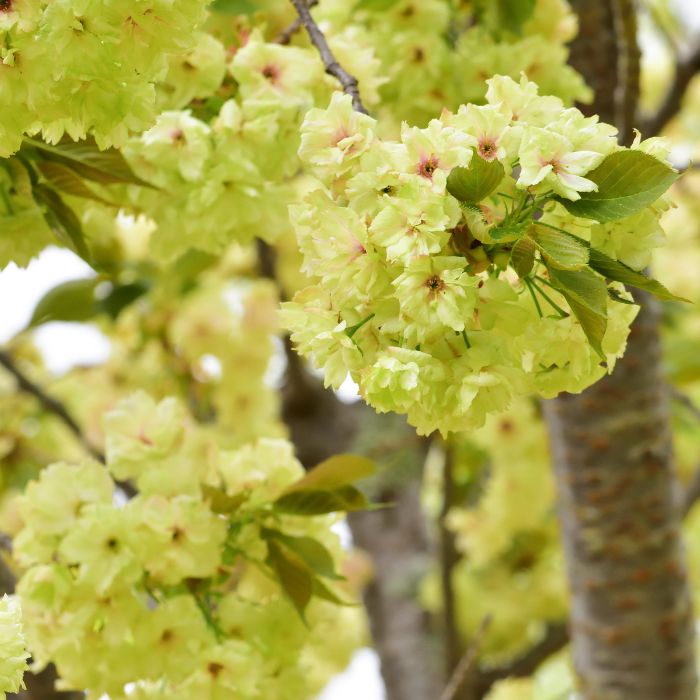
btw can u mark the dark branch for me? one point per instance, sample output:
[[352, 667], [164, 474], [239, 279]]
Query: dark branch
[[467, 663], [333, 68], [687, 65], [448, 559], [628, 63], [49, 403], [556, 637], [691, 493], [58, 409], [684, 400], [285, 36]]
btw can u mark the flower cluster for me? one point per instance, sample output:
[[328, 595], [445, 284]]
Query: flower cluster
[[74, 66], [223, 179], [175, 589], [412, 243], [13, 655]]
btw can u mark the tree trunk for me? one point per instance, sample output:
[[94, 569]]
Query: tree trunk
[[632, 622]]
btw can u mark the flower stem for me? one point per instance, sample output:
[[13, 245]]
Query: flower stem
[[560, 311], [353, 329], [528, 282]]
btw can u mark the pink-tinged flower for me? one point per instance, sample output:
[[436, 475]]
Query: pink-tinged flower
[[431, 153], [489, 125], [548, 160]]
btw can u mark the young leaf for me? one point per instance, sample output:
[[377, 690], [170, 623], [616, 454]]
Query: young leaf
[[62, 220], [219, 501], [120, 297], [615, 270], [316, 556], [232, 7], [557, 248], [506, 234], [523, 257], [628, 181], [587, 294], [615, 295], [339, 470], [87, 160], [320, 590], [318, 502], [504, 14], [70, 301], [62, 178], [294, 575], [376, 5], [476, 182]]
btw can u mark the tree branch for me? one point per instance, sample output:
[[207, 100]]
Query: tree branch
[[466, 664], [556, 637], [285, 36], [628, 65], [333, 68], [58, 409], [448, 558], [50, 404], [687, 65]]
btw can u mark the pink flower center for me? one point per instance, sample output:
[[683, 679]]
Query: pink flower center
[[271, 73], [178, 136], [5, 5], [488, 150], [428, 167], [435, 285]]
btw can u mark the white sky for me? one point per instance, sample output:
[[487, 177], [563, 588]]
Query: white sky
[[65, 345]]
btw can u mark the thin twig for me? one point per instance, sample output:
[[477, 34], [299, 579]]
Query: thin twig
[[687, 65], [58, 409], [448, 559], [50, 404], [684, 400], [465, 665], [691, 494], [333, 68], [285, 36], [556, 637]]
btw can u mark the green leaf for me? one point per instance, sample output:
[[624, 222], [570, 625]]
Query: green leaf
[[320, 590], [294, 575], [523, 257], [62, 220], [557, 248], [339, 470], [233, 7], [615, 270], [220, 502], [87, 160], [506, 234], [615, 295], [70, 301], [628, 181], [510, 15], [64, 179], [120, 297], [587, 294], [376, 5], [316, 556], [318, 502], [476, 182]]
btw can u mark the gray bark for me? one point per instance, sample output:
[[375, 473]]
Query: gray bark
[[632, 622]]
